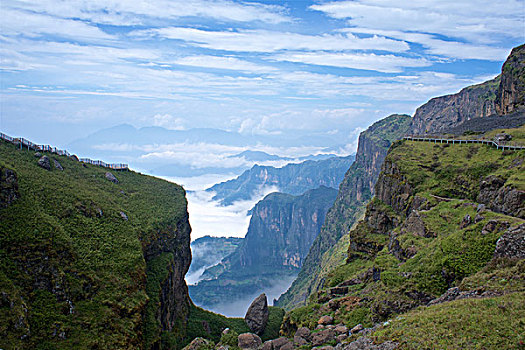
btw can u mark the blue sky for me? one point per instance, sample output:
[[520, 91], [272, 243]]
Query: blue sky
[[284, 68]]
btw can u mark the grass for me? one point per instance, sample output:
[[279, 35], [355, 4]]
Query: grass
[[69, 263], [489, 323]]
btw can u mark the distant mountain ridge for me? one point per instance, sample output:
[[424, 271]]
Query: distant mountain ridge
[[292, 179], [281, 230]]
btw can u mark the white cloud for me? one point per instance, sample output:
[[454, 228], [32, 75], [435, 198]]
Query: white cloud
[[379, 63], [223, 62], [271, 41], [169, 122], [450, 49], [482, 21], [125, 13]]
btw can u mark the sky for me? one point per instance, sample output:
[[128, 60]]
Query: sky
[[280, 68]]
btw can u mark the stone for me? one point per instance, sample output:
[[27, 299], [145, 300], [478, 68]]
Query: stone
[[123, 216], [415, 225], [111, 177], [365, 343], [325, 320], [8, 187], [303, 332], [44, 162], [341, 329], [58, 165], [478, 218], [282, 343], [38, 155], [326, 347], [299, 341], [249, 341], [199, 344], [467, 220], [322, 337], [502, 137], [257, 315], [267, 345], [358, 328], [511, 244], [480, 208], [341, 337], [335, 291], [492, 225], [500, 198]]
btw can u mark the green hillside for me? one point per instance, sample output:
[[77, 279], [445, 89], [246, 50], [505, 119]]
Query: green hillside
[[81, 265]]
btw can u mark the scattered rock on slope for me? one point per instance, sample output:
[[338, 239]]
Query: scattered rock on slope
[[257, 314], [44, 162], [511, 244], [58, 165], [111, 177], [249, 341], [8, 187]]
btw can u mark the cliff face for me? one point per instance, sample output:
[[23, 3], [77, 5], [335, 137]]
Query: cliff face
[[511, 92], [279, 236], [89, 262], [502, 95], [355, 190], [293, 179], [283, 227], [438, 220]]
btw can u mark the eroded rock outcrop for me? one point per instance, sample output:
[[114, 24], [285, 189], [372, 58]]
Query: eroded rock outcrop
[[511, 91], [500, 198], [257, 315], [8, 187]]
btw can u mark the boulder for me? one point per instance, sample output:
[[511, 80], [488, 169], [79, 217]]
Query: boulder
[[58, 165], [111, 177], [467, 220], [341, 337], [303, 332], [478, 218], [357, 329], [199, 344], [415, 225], [249, 341], [282, 343], [44, 162], [341, 329], [38, 155], [322, 337], [365, 343], [325, 320], [257, 315], [8, 187], [123, 216], [511, 244], [299, 341]]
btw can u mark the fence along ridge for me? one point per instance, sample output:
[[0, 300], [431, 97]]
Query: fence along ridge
[[503, 145], [47, 148]]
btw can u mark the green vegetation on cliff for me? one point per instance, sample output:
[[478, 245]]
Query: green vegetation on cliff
[[354, 192], [434, 223], [74, 249]]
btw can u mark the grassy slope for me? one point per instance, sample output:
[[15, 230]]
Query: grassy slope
[[462, 255], [53, 232]]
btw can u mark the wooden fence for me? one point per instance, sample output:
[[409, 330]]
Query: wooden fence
[[24, 143]]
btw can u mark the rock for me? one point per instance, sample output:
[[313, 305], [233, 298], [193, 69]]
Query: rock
[[480, 208], [44, 162], [123, 216], [323, 337], [249, 341], [299, 341], [501, 199], [335, 291], [8, 187], [450, 295], [111, 177], [199, 344], [326, 347], [341, 329], [509, 96], [511, 244], [478, 218], [341, 337], [415, 225], [502, 137], [325, 320], [492, 225], [267, 345], [357, 329], [365, 343], [57, 165], [303, 332], [257, 315], [38, 155], [282, 343], [467, 220]]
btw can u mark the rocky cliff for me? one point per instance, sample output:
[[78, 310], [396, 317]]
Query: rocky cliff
[[88, 262], [354, 192], [446, 223], [502, 95], [293, 179], [281, 230]]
